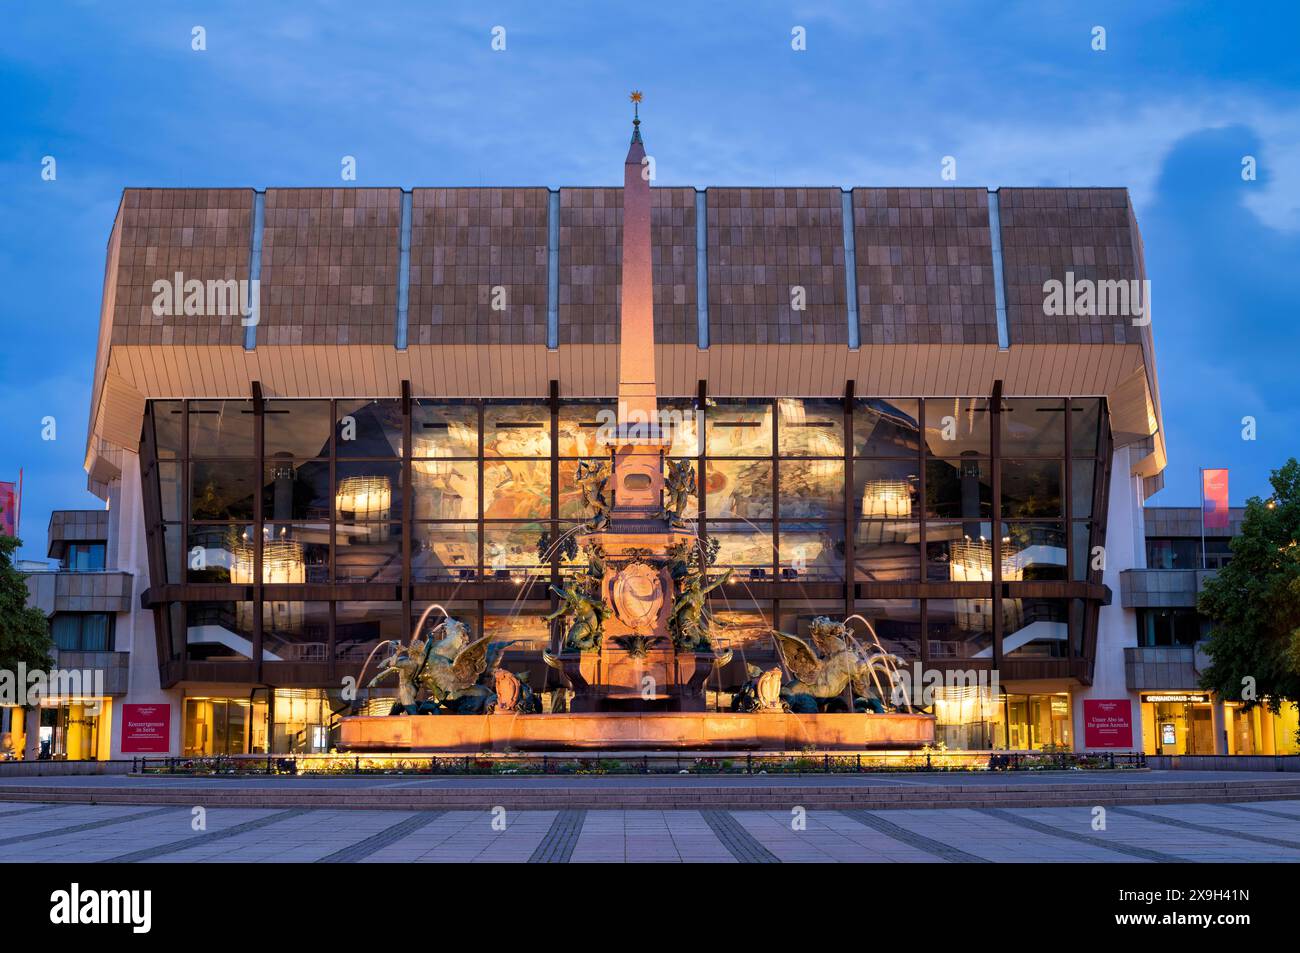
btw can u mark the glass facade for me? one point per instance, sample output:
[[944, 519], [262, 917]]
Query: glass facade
[[300, 526]]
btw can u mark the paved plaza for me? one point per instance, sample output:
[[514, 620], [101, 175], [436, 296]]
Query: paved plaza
[[1164, 833]]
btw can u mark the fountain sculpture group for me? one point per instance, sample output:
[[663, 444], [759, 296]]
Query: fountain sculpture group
[[635, 642]]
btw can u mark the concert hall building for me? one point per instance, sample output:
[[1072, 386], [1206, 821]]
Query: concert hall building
[[888, 418]]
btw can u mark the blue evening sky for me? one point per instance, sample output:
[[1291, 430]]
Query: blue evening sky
[[884, 90]]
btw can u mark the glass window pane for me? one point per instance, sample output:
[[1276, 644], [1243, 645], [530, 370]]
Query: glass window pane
[[812, 488], [1082, 552], [296, 552], [812, 552], [740, 489], [956, 425], [1031, 488], [1085, 426], [739, 428], [222, 490], [65, 629], [525, 627], [886, 428], [1036, 628], [1082, 474], [960, 628], [441, 429], [296, 490], [445, 489], [886, 488], [746, 547], [296, 428], [368, 552], [170, 489], [360, 626], [896, 623], [295, 631], [1034, 552], [585, 426], [888, 551], [221, 631], [221, 428], [683, 424], [510, 549], [571, 505], [220, 554], [96, 628], [517, 430], [811, 427], [444, 552], [959, 552], [1033, 426], [368, 428], [173, 549], [958, 489], [744, 627], [168, 421], [368, 490], [517, 489]]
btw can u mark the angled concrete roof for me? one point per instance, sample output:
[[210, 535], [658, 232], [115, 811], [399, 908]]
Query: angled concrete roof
[[338, 295]]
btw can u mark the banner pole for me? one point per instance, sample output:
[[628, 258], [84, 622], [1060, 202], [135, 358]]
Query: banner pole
[[1202, 518]]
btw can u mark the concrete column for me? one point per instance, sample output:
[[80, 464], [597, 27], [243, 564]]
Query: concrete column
[[1116, 626], [1219, 721], [32, 740]]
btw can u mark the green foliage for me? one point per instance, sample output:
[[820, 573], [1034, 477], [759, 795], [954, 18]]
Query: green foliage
[[24, 632], [1254, 603]]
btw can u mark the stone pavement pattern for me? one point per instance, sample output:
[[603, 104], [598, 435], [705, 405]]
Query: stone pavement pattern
[[84, 833]]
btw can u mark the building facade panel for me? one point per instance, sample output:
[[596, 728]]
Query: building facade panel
[[924, 266], [177, 236], [776, 266], [591, 265], [1048, 234], [478, 266], [329, 266]]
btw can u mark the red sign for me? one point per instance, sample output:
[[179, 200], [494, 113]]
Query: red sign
[[1214, 499], [146, 729], [8, 509], [1107, 723]]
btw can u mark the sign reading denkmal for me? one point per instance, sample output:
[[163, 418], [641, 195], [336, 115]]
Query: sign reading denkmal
[[146, 729]]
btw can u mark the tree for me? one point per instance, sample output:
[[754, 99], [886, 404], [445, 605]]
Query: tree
[[24, 631], [1254, 603]]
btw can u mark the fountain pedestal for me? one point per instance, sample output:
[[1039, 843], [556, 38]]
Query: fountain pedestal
[[636, 667]]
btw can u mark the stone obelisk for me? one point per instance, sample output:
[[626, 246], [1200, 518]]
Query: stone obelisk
[[636, 667], [638, 472]]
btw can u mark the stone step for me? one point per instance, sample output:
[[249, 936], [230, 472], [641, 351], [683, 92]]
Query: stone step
[[551, 797]]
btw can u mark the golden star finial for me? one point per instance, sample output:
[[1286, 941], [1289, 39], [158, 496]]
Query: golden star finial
[[636, 96]]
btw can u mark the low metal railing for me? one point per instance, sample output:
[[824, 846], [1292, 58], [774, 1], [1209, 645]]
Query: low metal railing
[[650, 763]]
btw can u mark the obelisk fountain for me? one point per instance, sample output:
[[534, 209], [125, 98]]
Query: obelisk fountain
[[646, 657]]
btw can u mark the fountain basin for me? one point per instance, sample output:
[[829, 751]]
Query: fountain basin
[[651, 731]]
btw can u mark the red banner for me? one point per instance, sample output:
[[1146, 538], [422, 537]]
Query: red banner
[[1107, 723], [8, 509], [146, 729], [1214, 499]]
